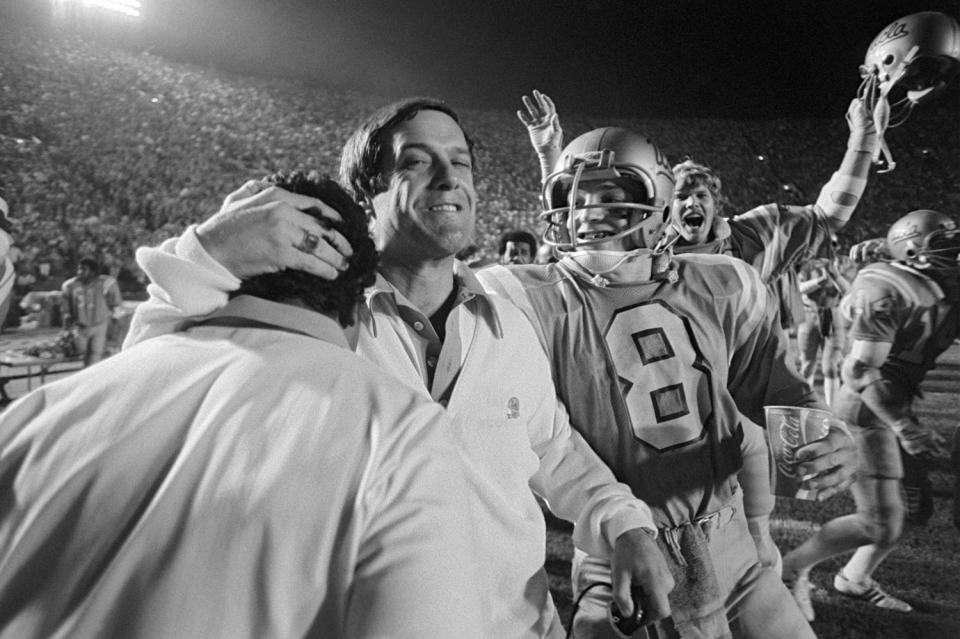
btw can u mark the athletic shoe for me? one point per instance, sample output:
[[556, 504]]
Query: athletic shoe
[[800, 588], [869, 592]]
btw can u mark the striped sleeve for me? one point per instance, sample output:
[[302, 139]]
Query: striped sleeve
[[774, 238], [752, 306]]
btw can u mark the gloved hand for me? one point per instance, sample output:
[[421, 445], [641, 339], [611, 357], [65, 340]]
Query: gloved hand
[[869, 250], [543, 127], [863, 131]]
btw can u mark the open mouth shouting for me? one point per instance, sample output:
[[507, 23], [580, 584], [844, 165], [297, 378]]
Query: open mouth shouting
[[693, 220]]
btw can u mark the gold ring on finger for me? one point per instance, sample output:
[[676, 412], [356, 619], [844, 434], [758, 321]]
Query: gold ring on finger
[[309, 243]]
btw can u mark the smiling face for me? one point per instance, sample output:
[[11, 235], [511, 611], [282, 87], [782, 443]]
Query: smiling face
[[428, 210], [693, 211], [595, 223]]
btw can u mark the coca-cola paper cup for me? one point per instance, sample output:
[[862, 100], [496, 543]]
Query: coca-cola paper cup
[[788, 429]]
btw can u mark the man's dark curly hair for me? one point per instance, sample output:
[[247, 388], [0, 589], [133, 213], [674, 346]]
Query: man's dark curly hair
[[339, 296]]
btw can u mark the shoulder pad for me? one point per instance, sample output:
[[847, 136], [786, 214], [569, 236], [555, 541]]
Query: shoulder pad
[[911, 285], [880, 288]]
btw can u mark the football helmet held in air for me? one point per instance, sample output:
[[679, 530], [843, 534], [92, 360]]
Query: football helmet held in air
[[925, 240], [908, 63], [608, 153]]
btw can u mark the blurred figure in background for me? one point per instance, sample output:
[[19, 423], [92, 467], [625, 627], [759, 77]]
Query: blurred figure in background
[[517, 247], [87, 303], [904, 314], [823, 282]]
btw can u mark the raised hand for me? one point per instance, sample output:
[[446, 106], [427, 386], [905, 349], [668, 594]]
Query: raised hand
[[543, 124], [868, 250]]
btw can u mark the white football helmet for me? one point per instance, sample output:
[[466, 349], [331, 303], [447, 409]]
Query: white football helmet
[[925, 240], [908, 63], [604, 154]]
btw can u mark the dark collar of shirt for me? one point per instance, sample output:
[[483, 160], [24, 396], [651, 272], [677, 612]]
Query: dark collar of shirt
[[249, 311], [470, 293]]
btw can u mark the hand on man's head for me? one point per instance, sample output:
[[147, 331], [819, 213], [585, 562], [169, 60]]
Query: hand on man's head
[[261, 228]]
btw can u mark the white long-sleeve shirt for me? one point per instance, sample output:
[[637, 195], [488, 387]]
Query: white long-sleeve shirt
[[493, 377], [247, 479]]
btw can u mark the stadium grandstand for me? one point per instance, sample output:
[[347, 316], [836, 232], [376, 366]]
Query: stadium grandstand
[[105, 148]]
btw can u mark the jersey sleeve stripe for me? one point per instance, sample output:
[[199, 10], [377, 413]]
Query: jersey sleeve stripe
[[767, 228], [753, 300]]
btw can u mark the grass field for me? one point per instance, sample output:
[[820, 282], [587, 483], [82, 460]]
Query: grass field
[[924, 570]]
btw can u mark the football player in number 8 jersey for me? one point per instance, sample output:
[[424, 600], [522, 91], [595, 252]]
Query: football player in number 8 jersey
[[656, 356], [772, 238]]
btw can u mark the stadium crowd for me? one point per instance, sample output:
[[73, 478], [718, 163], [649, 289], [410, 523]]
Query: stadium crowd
[[103, 150]]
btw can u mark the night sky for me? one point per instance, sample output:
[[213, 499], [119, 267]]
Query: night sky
[[616, 57]]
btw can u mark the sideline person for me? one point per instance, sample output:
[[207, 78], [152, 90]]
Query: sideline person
[[904, 313], [87, 302]]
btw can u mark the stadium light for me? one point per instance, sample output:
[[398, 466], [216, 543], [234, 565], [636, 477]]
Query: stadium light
[[127, 7]]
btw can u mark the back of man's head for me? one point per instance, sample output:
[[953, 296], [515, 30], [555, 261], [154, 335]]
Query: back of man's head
[[337, 298], [362, 156]]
